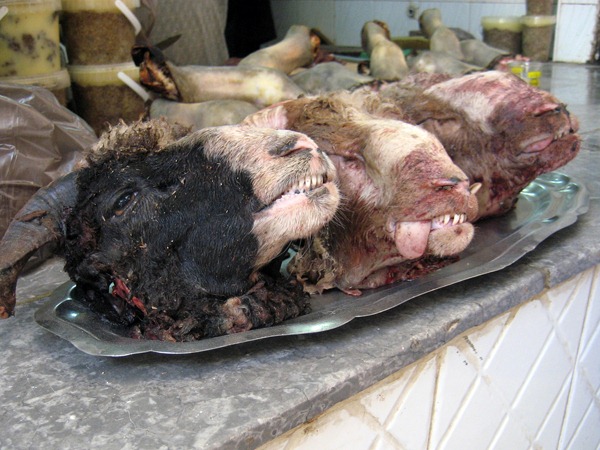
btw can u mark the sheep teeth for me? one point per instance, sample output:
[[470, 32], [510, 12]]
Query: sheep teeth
[[560, 134], [306, 184], [447, 219]]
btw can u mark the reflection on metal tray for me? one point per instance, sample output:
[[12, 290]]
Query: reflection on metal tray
[[550, 203]]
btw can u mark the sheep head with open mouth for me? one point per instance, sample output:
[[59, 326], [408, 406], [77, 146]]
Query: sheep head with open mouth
[[180, 227], [406, 206]]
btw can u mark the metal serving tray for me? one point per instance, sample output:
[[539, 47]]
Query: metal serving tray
[[548, 204]]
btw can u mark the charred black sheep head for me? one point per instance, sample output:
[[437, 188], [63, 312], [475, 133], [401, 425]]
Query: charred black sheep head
[[158, 220]]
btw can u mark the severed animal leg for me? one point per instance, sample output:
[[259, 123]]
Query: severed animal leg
[[387, 60], [298, 49]]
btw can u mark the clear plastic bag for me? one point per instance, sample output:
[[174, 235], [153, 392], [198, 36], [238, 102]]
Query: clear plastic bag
[[40, 140]]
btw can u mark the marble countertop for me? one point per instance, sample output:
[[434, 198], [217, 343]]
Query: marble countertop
[[243, 396]]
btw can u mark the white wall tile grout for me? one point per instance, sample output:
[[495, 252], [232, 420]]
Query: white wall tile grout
[[580, 428], [572, 385], [563, 393], [579, 371], [434, 413]]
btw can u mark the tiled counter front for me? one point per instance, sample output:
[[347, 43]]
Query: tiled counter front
[[529, 378]]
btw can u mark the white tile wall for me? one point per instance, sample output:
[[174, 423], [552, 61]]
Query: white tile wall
[[341, 20], [529, 378], [574, 32], [579, 2]]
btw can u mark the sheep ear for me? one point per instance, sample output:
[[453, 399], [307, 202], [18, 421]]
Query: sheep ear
[[272, 117], [38, 223]]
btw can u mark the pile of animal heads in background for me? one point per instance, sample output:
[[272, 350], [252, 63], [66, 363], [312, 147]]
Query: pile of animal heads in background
[[177, 229], [404, 200], [418, 161], [181, 234]]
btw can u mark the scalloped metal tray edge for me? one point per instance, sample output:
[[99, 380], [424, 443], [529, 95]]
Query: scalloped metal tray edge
[[551, 202]]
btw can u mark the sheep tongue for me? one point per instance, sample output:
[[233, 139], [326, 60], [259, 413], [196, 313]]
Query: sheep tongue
[[411, 238]]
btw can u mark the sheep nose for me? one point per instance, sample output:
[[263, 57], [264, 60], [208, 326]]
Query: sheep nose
[[574, 123]]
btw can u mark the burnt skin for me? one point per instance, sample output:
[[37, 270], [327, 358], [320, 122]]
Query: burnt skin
[[199, 217], [154, 72], [170, 231]]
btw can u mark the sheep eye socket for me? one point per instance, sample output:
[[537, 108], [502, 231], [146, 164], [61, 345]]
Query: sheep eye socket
[[123, 202]]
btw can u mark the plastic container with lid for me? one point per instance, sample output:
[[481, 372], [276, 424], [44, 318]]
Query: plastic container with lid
[[503, 32], [101, 96], [29, 38], [99, 32], [58, 83], [528, 71], [538, 32]]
